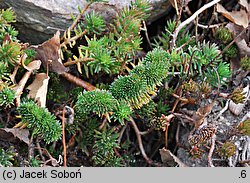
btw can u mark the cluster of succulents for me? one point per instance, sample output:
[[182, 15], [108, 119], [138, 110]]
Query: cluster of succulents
[[104, 154], [225, 36], [142, 81], [43, 123]]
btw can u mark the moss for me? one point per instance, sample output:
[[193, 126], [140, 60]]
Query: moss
[[231, 52], [224, 35], [244, 127], [227, 150]]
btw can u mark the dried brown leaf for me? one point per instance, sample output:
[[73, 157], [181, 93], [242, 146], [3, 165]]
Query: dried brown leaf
[[170, 159], [243, 47], [49, 53], [237, 17], [34, 65], [38, 89], [13, 134], [242, 41], [201, 113], [245, 4]]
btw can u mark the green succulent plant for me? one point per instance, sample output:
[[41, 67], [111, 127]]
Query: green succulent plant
[[40, 120], [103, 149], [94, 23], [99, 102], [207, 56], [6, 18], [131, 89], [10, 52], [224, 73], [227, 150], [244, 127], [122, 112], [111, 53], [204, 53], [6, 157], [103, 59], [224, 37], [223, 34], [135, 88], [154, 68], [7, 97]]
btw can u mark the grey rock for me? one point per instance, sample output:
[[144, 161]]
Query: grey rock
[[38, 20]]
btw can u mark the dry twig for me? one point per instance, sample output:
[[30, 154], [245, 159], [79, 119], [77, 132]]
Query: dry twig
[[71, 28], [190, 19], [167, 120], [210, 154], [78, 81], [103, 124], [64, 140], [68, 63], [146, 34], [138, 135]]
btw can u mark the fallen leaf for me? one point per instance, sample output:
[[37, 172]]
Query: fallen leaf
[[13, 134], [170, 159], [38, 89], [245, 4], [49, 53], [242, 41], [237, 17], [243, 47], [34, 65], [201, 113]]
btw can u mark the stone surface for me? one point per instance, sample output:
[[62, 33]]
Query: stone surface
[[38, 20]]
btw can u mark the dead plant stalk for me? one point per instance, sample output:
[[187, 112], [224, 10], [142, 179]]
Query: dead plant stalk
[[190, 19], [139, 139]]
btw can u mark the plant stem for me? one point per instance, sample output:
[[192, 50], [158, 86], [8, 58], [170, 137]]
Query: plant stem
[[209, 157], [79, 17], [64, 140], [138, 135], [68, 63], [78, 81]]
